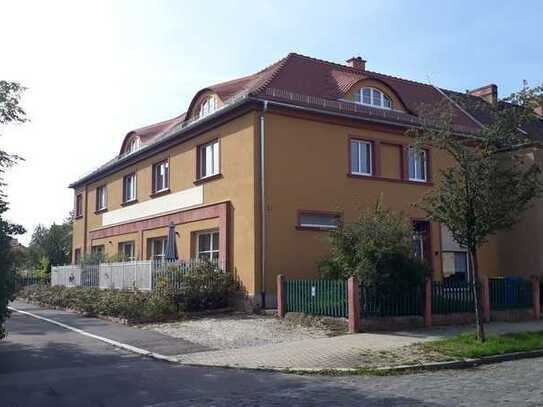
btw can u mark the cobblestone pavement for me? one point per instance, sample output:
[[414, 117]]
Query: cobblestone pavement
[[45, 365], [336, 352]]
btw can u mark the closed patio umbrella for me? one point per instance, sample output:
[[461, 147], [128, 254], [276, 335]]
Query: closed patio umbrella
[[170, 252]]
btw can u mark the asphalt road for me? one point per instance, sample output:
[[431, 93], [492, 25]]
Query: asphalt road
[[45, 365]]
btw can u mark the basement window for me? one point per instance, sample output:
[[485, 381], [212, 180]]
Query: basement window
[[318, 220]]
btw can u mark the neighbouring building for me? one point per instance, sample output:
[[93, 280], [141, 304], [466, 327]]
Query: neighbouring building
[[258, 167]]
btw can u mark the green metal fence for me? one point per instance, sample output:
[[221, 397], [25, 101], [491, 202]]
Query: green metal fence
[[508, 293], [375, 303], [317, 297], [452, 296]]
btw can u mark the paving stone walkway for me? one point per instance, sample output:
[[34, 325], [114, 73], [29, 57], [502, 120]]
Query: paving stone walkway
[[346, 351]]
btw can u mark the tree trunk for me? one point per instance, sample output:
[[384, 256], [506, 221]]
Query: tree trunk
[[476, 287]]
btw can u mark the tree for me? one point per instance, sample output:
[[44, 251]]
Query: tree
[[377, 249], [10, 112], [491, 182], [51, 246]]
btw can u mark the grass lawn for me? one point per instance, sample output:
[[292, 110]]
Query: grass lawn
[[467, 346]]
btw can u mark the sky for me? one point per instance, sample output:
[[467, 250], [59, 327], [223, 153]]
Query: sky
[[95, 70]]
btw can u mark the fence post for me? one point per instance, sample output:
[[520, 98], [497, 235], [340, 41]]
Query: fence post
[[281, 304], [485, 297], [536, 297], [428, 303], [354, 304]]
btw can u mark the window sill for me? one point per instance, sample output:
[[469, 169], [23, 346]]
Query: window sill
[[78, 217], [99, 211], [156, 194], [314, 228], [387, 179], [128, 203], [207, 179]]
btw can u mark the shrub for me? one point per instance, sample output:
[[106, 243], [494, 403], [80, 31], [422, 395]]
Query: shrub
[[377, 249], [206, 287]]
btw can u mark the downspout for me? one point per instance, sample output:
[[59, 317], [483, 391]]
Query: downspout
[[262, 209]]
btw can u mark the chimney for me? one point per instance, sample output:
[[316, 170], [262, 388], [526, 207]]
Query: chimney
[[488, 93], [357, 63]]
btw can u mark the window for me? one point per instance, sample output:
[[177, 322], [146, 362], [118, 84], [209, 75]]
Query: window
[[129, 188], [421, 240], [455, 266], [78, 205], [161, 180], [127, 251], [101, 198], [418, 165], [77, 256], [208, 246], [318, 220], [207, 107], [156, 248], [208, 159], [133, 145], [361, 157], [374, 97], [98, 253]]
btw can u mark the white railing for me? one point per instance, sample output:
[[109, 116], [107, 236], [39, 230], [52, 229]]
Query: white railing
[[134, 275]]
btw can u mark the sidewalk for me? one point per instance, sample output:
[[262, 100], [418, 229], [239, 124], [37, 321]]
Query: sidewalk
[[347, 351]]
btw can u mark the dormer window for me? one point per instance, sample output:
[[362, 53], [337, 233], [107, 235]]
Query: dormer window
[[208, 106], [133, 145], [375, 98]]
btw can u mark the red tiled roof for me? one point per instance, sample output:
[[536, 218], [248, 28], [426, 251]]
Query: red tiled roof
[[302, 75]]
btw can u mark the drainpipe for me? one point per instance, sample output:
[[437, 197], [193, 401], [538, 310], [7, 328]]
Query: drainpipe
[[262, 209]]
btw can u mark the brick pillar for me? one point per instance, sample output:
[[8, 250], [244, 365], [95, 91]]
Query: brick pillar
[[281, 303], [354, 304], [485, 297], [536, 297], [428, 303]]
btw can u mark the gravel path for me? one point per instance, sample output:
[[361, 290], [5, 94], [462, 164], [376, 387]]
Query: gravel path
[[233, 331]]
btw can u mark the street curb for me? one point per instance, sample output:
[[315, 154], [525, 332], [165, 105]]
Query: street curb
[[416, 368]]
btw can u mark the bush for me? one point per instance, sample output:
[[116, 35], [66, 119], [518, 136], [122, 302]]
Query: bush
[[134, 306], [203, 287], [206, 287], [377, 249]]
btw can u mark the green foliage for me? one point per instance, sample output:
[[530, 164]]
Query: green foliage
[[492, 181], [134, 306], [51, 246], [10, 112], [377, 249], [206, 287], [467, 345]]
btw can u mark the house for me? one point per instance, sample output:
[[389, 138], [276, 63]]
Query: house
[[259, 167]]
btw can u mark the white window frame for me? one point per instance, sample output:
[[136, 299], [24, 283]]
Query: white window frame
[[122, 247], [162, 254], [358, 143], [209, 159], [376, 94], [134, 145], [126, 198], [208, 253], [208, 106], [412, 156], [161, 171], [101, 198], [317, 226]]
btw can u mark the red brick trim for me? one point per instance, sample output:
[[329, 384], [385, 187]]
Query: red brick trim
[[200, 181], [220, 210]]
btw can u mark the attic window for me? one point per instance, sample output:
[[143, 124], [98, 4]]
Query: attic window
[[375, 98], [133, 145], [208, 106]]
